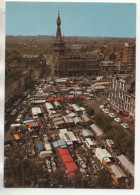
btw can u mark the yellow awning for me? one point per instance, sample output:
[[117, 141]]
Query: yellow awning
[[16, 136]]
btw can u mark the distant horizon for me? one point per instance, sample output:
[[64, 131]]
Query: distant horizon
[[77, 19], [70, 36]]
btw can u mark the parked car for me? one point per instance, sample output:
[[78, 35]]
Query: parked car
[[19, 118], [16, 103], [106, 111], [19, 100], [124, 125], [25, 94], [118, 120], [14, 112], [112, 115], [24, 102]]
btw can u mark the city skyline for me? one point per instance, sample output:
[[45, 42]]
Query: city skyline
[[110, 19]]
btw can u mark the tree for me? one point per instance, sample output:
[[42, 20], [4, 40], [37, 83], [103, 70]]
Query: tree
[[77, 179], [13, 56], [90, 111], [58, 175], [79, 102], [103, 122], [104, 179]]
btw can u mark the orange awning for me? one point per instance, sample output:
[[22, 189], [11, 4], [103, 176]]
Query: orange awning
[[80, 97], [33, 125]]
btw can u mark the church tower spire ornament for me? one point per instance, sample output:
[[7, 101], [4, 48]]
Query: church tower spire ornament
[[58, 33]]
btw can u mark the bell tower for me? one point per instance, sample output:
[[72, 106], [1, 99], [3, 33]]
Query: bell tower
[[58, 46]]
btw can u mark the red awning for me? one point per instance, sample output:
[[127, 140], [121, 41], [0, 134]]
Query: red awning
[[50, 99], [58, 99], [67, 158], [105, 84], [33, 125], [71, 167], [62, 151], [80, 97], [71, 98]]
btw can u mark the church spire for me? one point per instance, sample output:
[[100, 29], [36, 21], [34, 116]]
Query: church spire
[[58, 33]]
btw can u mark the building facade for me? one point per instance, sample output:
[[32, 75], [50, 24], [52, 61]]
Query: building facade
[[15, 84], [122, 94], [129, 106], [128, 64], [37, 64], [108, 68], [69, 62]]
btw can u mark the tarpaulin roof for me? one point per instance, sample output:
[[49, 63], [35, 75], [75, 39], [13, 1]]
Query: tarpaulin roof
[[48, 146], [81, 97], [67, 158], [62, 151], [16, 137], [58, 99], [71, 167], [64, 146], [61, 142], [96, 130], [85, 117], [127, 164], [50, 99], [50, 90], [71, 98], [105, 84], [87, 133], [91, 95], [117, 171], [39, 146], [28, 118], [33, 125], [55, 144]]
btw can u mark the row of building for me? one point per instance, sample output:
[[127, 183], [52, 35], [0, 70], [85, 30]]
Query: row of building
[[69, 61], [19, 76], [122, 94], [15, 84]]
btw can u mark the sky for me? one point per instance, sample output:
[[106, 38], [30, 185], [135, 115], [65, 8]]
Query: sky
[[80, 19]]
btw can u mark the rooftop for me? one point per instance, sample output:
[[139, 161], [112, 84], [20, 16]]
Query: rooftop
[[130, 79]]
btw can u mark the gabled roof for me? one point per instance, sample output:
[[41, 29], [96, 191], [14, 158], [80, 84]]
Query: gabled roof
[[126, 163], [117, 171], [87, 133]]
